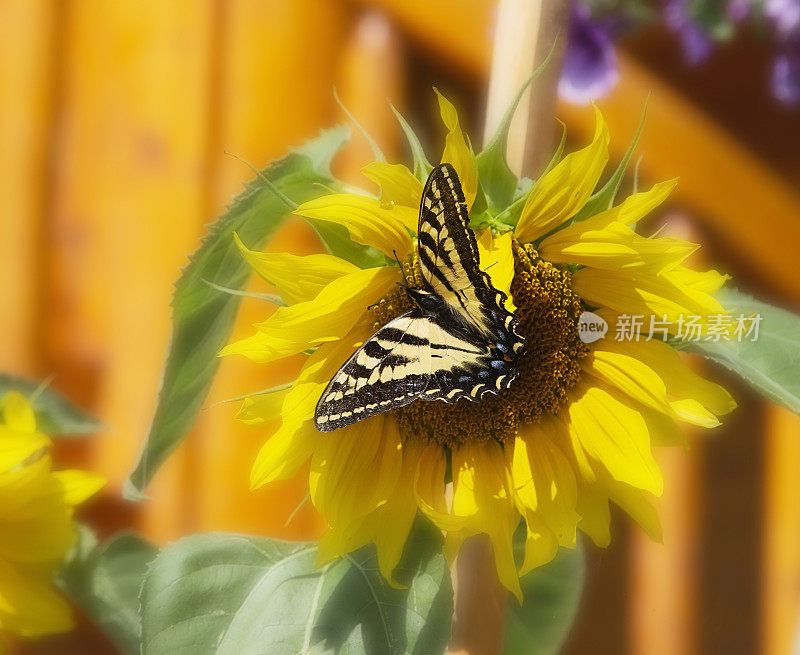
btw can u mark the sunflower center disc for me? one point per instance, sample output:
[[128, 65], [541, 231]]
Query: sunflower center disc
[[548, 311]]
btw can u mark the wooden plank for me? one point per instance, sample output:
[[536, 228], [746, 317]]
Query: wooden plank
[[26, 40], [781, 533], [130, 172]]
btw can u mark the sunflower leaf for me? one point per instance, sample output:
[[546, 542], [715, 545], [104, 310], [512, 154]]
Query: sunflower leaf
[[768, 364], [55, 415], [202, 317], [105, 581], [422, 167], [551, 594], [223, 594]]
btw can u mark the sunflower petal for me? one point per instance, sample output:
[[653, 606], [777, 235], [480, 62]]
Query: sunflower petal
[[79, 486], [644, 295], [29, 607], [540, 544], [398, 185], [630, 376], [456, 150], [616, 435], [284, 453], [561, 193], [263, 408], [16, 447], [497, 259], [633, 208], [367, 220], [17, 412], [296, 278], [355, 472], [335, 310], [614, 246]]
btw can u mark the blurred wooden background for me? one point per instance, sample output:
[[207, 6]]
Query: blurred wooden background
[[115, 117]]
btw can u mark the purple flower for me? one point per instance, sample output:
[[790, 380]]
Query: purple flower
[[590, 63], [786, 75], [696, 41], [739, 10], [784, 15]]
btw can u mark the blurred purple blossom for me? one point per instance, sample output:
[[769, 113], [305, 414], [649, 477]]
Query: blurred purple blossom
[[696, 41], [784, 15], [590, 62], [739, 10], [786, 75]]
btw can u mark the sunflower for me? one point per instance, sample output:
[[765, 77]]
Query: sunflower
[[36, 527], [576, 428]]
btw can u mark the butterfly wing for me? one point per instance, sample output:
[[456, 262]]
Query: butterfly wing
[[391, 369], [464, 365], [450, 262]]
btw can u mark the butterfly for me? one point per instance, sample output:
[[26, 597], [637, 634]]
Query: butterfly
[[459, 340]]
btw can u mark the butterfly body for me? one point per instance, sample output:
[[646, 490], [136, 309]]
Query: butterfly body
[[459, 340]]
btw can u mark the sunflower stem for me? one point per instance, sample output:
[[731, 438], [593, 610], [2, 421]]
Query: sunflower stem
[[525, 35]]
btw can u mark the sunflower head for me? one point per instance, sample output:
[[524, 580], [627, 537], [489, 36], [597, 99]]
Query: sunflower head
[[36, 526], [576, 427]]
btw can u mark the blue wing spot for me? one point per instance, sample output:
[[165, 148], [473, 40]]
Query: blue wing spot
[[498, 363], [483, 373]]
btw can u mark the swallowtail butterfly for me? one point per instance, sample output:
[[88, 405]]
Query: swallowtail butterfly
[[459, 341]]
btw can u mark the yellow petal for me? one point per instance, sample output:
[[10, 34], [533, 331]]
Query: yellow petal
[[705, 282], [29, 606], [595, 515], [17, 412], [35, 520], [540, 544], [633, 208], [261, 409], [615, 435], [681, 381], [394, 519], [16, 447], [456, 150], [637, 505], [615, 246], [296, 278], [497, 259], [645, 295], [368, 222], [355, 469], [554, 481], [630, 375], [329, 317], [79, 486], [429, 488], [398, 184], [561, 193], [284, 453]]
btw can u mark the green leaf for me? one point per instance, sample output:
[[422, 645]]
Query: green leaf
[[202, 317], [551, 596], [422, 167], [105, 581], [55, 415], [604, 198], [498, 182], [771, 365], [225, 594], [337, 241]]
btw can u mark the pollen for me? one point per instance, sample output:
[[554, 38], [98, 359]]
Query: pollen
[[548, 311]]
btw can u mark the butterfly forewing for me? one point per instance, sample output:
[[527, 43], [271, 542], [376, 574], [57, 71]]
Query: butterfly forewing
[[450, 261]]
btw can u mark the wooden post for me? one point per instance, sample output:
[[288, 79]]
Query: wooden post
[[524, 35]]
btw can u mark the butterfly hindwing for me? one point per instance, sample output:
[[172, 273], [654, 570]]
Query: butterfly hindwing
[[450, 261], [389, 370]]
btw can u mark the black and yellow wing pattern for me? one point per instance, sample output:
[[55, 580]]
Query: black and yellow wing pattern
[[459, 341]]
